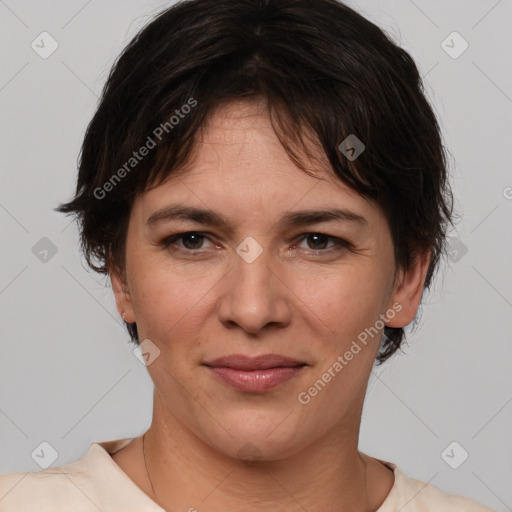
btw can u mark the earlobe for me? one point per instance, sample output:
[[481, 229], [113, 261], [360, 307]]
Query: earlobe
[[409, 290], [122, 295]]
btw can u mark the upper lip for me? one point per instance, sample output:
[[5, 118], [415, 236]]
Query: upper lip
[[262, 362]]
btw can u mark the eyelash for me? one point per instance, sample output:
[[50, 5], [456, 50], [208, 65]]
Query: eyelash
[[341, 244]]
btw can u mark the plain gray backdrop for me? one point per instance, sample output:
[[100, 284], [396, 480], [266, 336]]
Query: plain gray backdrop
[[68, 375]]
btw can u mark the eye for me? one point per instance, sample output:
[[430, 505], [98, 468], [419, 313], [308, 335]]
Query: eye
[[318, 241], [191, 240]]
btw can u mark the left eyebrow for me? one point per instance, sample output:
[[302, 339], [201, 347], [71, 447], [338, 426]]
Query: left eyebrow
[[289, 219], [305, 217]]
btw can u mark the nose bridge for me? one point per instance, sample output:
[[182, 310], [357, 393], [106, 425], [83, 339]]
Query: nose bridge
[[253, 266], [253, 296]]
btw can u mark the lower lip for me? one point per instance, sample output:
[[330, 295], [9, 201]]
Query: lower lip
[[255, 381]]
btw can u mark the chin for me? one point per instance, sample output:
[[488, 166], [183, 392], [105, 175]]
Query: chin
[[259, 438], [253, 449]]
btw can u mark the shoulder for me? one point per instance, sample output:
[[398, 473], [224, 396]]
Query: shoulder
[[91, 483], [48, 489], [411, 495]]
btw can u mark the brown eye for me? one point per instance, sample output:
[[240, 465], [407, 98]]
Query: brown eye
[[190, 241], [318, 242]]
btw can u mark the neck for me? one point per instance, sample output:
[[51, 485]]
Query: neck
[[185, 473]]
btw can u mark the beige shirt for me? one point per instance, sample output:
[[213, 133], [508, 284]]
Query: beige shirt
[[96, 483]]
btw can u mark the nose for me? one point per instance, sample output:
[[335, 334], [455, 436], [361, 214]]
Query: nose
[[255, 294]]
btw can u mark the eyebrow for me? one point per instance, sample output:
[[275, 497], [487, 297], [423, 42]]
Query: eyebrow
[[289, 219]]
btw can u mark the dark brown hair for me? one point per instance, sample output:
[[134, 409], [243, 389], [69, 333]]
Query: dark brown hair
[[322, 68]]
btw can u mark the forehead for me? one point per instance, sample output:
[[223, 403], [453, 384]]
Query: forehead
[[239, 165]]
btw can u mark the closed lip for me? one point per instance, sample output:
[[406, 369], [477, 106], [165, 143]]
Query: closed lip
[[248, 363]]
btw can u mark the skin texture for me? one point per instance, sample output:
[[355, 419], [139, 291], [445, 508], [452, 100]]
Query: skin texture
[[198, 299]]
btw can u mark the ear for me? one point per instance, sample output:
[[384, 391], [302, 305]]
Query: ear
[[408, 291], [122, 295]]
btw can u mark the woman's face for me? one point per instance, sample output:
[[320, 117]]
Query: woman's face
[[258, 285]]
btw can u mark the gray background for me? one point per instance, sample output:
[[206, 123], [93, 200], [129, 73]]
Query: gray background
[[68, 375]]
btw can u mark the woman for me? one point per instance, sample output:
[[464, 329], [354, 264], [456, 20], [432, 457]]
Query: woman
[[265, 184]]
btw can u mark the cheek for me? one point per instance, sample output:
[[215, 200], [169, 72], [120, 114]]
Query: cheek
[[344, 301], [168, 300]]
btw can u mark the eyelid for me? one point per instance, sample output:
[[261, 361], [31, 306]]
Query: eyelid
[[338, 242], [173, 238]]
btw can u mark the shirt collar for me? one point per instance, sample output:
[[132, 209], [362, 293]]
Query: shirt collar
[[114, 488], [116, 491]]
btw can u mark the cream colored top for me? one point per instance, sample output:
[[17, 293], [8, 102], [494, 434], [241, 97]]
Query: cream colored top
[[96, 483]]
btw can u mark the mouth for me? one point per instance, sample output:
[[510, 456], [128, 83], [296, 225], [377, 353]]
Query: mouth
[[247, 363], [255, 374]]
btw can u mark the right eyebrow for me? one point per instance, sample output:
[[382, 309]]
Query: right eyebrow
[[191, 213]]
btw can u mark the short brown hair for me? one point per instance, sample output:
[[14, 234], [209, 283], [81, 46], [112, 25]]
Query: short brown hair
[[321, 67]]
